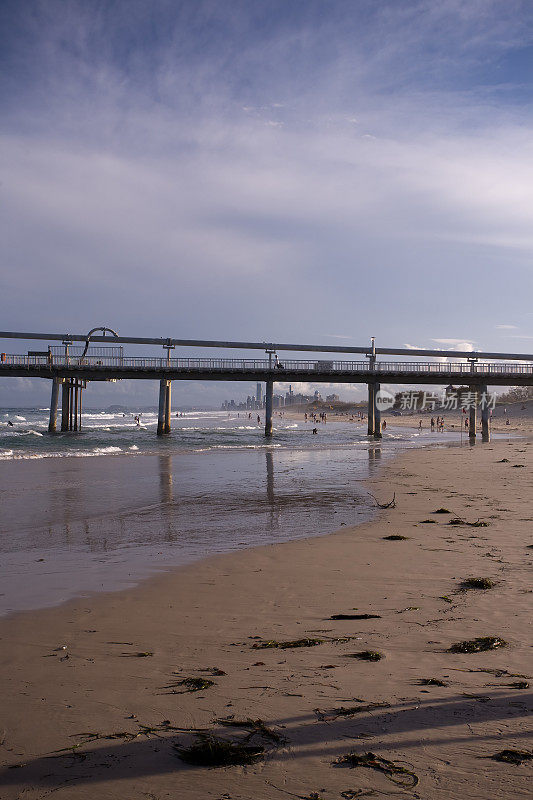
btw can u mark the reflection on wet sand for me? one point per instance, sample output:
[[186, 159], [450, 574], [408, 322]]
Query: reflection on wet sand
[[92, 525], [374, 458], [274, 516], [165, 479]]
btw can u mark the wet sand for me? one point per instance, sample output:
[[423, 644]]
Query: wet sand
[[125, 652], [70, 526]]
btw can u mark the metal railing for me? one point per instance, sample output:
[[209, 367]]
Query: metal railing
[[244, 364]]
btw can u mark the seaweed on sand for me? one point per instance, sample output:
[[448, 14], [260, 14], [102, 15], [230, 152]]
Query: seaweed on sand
[[272, 643], [88, 737], [477, 583], [395, 537], [348, 711], [366, 655], [431, 682], [211, 751], [513, 685], [143, 654], [355, 616], [253, 726], [459, 521], [191, 685], [512, 756], [479, 645], [395, 772], [498, 673], [442, 511]]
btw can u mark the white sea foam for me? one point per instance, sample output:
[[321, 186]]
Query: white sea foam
[[104, 450]]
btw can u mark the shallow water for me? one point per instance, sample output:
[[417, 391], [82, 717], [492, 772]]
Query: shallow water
[[116, 433], [70, 526]]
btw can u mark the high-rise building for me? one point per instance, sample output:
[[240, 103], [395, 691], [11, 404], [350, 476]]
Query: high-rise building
[[259, 394]]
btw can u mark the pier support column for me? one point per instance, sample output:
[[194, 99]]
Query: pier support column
[[268, 407], [65, 405], [473, 418], [54, 402], [166, 428], [377, 413], [370, 409], [77, 393], [161, 416], [485, 414]]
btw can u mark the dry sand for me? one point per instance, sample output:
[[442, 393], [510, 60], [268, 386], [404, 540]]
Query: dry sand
[[210, 615]]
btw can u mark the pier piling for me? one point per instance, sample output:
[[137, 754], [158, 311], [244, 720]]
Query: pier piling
[[268, 407], [71, 394], [166, 428], [377, 412], [65, 405], [163, 416], [473, 416], [485, 414], [371, 405], [54, 402]]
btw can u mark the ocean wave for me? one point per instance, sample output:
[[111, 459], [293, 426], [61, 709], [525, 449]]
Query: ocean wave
[[8, 432]]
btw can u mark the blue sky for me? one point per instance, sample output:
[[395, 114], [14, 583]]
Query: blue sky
[[295, 171]]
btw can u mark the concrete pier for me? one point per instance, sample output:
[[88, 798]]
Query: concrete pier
[[71, 394], [65, 405], [54, 402], [166, 428], [268, 407], [77, 394], [163, 416], [371, 409], [485, 414], [473, 417], [377, 413]]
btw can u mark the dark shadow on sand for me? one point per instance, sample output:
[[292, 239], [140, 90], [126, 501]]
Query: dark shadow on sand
[[306, 735]]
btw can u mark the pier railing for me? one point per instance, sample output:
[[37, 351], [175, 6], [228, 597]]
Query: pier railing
[[463, 369]]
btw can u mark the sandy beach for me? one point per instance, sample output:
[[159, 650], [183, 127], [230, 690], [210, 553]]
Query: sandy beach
[[93, 703]]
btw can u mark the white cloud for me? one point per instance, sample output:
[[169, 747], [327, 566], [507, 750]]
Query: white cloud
[[168, 193], [337, 336], [506, 327], [457, 344]]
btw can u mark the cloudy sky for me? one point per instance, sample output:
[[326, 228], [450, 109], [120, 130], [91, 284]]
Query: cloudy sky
[[287, 170]]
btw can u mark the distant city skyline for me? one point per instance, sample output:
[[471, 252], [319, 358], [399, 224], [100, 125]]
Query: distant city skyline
[[319, 170]]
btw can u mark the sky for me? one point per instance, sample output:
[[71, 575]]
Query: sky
[[266, 170]]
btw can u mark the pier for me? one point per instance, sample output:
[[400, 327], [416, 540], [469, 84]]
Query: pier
[[70, 367]]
